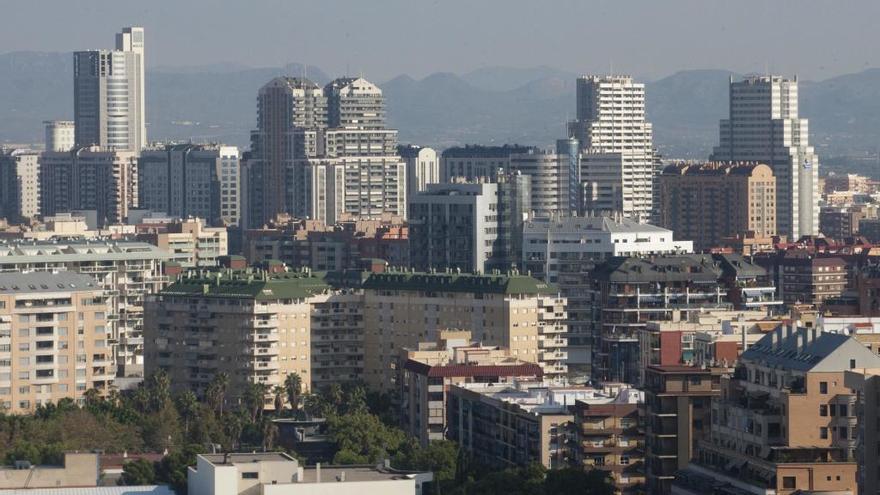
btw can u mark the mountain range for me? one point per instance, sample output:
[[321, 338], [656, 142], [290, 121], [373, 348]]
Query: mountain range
[[490, 105]]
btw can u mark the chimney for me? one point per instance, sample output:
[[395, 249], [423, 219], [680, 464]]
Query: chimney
[[317, 472], [801, 339], [778, 337]]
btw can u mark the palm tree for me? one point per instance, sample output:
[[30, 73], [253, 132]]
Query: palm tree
[[293, 387], [92, 396], [188, 407], [270, 433], [254, 399], [159, 389], [278, 391], [217, 391]]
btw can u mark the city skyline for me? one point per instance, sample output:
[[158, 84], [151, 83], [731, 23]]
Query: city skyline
[[732, 36]]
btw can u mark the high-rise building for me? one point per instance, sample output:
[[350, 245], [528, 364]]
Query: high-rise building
[[708, 202], [475, 162], [422, 167], [59, 135], [764, 127], [191, 180], [108, 94], [188, 243], [618, 164], [19, 184], [104, 181], [56, 339], [323, 153]]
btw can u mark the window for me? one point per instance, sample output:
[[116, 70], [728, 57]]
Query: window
[[823, 387], [823, 433], [250, 475], [823, 410], [852, 364], [789, 482]]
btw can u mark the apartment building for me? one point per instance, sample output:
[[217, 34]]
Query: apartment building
[[840, 222], [810, 279], [189, 242], [469, 226], [677, 416], [422, 167], [786, 421], [632, 291], [427, 372], [254, 326], [474, 163], [565, 250], [275, 473], [865, 384], [91, 178], [707, 202], [55, 339], [510, 310], [608, 436], [127, 271], [191, 180], [19, 184], [329, 247], [337, 336], [550, 176], [59, 135]]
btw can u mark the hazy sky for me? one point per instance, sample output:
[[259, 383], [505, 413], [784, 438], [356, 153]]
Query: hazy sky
[[384, 38]]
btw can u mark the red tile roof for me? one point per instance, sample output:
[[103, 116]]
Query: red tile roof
[[474, 370]]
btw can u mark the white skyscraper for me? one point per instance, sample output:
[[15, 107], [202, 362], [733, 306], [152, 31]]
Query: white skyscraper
[[108, 94], [617, 161], [59, 135], [764, 127]]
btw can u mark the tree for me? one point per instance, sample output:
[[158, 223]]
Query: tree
[[270, 433], [254, 399], [362, 438], [439, 457], [293, 387], [138, 472], [217, 391], [188, 407], [278, 392], [158, 390], [573, 481]]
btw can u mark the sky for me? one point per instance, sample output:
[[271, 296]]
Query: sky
[[385, 38]]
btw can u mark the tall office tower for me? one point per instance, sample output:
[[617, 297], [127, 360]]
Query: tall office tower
[[476, 162], [19, 184], [191, 180], [108, 94], [422, 167], [56, 340], [89, 179], [470, 227], [59, 135], [617, 159], [764, 127], [710, 201], [291, 115]]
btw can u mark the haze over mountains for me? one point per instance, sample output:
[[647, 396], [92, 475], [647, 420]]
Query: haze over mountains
[[490, 105]]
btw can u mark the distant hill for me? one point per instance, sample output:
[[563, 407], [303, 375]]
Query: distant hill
[[491, 105]]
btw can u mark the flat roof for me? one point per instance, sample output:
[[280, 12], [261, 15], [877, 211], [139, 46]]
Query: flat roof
[[34, 282], [242, 458], [352, 473]]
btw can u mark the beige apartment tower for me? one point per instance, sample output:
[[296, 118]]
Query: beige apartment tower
[[710, 201], [55, 339]]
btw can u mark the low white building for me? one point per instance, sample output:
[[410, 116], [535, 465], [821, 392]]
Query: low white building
[[277, 473]]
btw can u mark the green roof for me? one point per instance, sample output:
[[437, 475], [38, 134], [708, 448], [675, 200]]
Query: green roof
[[245, 285], [459, 282]]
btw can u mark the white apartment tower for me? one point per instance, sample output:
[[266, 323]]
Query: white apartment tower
[[618, 161], [108, 94], [59, 135], [764, 127]]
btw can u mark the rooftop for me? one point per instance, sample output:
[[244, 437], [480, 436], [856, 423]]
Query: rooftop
[[549, 398], [243, 284], [459, 282], [24, 251], [34, 282], [806, 349], [592, 224]]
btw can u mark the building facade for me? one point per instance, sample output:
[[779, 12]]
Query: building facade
[[764, 127], [422, 167], [59, 135]]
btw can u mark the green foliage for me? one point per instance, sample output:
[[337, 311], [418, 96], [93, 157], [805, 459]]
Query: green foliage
[[362, 438], [138, 472], [440, 457]]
